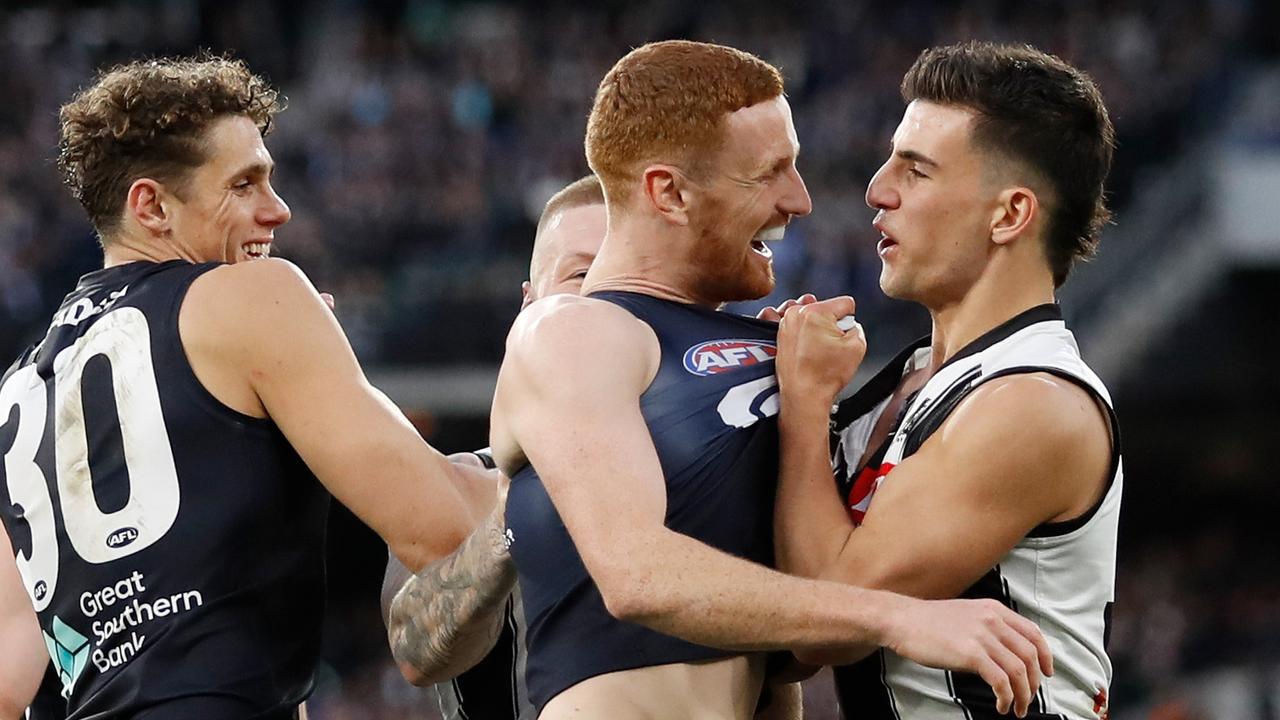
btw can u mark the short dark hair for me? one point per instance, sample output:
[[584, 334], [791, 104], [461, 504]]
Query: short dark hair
[[148, 119], [1034, 109]]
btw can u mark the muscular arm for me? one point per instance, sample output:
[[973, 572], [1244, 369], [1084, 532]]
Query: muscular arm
[[578, 420], [815, 359], [446, 618], [23, 662], [1021, 451], [260, 329]]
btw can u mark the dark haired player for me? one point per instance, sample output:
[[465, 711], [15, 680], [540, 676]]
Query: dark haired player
[[637, 423], [983, 462]]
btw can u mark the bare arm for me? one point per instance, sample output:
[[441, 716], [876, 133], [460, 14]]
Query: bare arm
[[810, 524], [262, 324], [24, 660], [578, 421], [446, 618], [1021, 451]]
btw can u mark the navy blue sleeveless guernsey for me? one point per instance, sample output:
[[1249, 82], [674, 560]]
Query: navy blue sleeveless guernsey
[[712, 414], [172, 547], [48, 704]]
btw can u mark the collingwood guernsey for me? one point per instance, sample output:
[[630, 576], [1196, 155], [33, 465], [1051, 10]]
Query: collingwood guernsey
[[1061, 575]]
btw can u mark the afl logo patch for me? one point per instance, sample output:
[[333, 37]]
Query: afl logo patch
[[122, 537], [716, 356]]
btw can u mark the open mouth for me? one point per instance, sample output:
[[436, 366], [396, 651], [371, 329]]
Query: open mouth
[[773, 234], [257, 250], [885, 245]]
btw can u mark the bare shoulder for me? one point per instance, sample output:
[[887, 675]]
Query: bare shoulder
[[239, 323], [257, 283], [1035, 418], [568, 314], [1036, 437], [1044, 402], [255, 299], [567, 355], [566, 331]]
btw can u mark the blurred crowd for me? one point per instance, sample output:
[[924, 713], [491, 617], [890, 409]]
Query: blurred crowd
[[423, 136]]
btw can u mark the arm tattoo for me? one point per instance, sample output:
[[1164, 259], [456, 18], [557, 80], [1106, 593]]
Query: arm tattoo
[[444, 620]]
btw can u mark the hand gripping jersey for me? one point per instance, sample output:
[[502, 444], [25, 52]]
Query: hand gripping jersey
[[494, 689], [1061, 575], [712, 414], [172, 547]]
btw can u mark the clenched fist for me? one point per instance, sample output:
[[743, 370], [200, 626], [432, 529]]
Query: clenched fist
[[816, 358]]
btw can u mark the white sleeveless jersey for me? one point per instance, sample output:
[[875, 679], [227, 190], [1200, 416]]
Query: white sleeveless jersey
[[1061, 575]]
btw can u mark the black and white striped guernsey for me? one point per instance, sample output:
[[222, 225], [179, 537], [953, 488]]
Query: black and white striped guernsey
[[1061, 575], [494, 689]]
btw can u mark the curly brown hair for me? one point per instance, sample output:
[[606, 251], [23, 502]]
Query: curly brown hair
[[666, 102], [148, 119]]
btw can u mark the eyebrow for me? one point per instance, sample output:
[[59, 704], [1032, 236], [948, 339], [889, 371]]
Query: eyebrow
[[779, 162], [914, 156], [257, 168]]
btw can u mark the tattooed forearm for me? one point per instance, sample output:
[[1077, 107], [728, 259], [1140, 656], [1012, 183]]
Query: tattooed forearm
[[444, 620]]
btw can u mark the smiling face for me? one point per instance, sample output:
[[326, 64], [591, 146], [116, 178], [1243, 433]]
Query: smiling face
[[753, 192], [565, 249], [935, 206], [228, 211]]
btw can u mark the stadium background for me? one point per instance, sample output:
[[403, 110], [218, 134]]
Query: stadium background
[[424, 135]]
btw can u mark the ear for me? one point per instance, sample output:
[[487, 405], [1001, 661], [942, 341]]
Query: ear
[[526, 294], [664, 190], [1017, 210], [146, 204]]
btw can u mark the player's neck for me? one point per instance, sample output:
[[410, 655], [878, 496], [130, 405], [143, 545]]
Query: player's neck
[[644, 259], [128, 247], [988, 303]]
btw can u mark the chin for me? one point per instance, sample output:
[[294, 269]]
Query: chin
[[890, 288], [762, 289], [753, 285], [736, 287]]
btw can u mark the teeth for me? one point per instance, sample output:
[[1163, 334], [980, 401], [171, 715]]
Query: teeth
[[258, 249], [773, 234]]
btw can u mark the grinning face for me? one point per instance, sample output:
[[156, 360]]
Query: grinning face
[[564, 251], [753, 193], [935, 206], [229, 211]]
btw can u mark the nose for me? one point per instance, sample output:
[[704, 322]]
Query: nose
[[274, 211], [796, 201], [881, 195]]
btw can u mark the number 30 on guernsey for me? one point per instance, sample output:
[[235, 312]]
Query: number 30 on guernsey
[[123, 338]]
